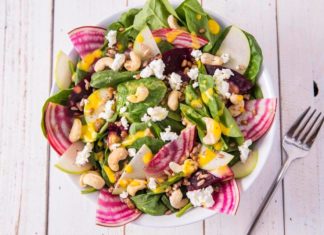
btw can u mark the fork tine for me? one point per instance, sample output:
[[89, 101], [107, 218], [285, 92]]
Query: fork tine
[[295, 125], [304, 125], [302, 140], [312, 138]]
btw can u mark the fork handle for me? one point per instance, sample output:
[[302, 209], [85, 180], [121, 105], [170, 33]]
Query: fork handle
[[269, 194]]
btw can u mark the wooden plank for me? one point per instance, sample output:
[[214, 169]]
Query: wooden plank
[[301, 61], [192, 229], [262, 24], [69, 211], [25, 41]]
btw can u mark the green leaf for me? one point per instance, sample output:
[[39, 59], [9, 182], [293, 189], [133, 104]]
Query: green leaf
[[135, 111], [193, 99], [149, 204], [154, 144], [109, 78], [256, 59], [154, 14], [195, 18], [257, 92], [220, 40], [164, 46], [231, 128], [206, 86], [59, 98], [165, 200], [176, 126]]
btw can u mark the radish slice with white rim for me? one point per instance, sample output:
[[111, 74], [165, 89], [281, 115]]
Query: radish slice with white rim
[[86, 39], [112, 212], [58, 124], [226, 198], [257, 118]]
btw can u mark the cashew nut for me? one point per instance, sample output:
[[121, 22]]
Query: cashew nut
[[237, 109], [135, 186], [173, 22], [176, 199], [113, 139], [173, 100], [134, 63], [210, 59], [115, 156], [213, 131], [76, 130], [93, 179], [141, 94], [102, 63]]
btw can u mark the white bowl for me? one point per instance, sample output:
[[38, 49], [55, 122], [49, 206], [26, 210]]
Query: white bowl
[[263, 146]]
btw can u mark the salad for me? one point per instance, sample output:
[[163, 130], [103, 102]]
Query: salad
[[159, 112]]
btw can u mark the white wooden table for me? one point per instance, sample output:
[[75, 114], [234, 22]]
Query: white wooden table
[[36, 199]]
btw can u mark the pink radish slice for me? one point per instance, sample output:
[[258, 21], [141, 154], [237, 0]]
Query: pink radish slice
[[227, 198], [181, 40], [58, 124], [258, 117], [172, 152], [86, 39], [112, 212]]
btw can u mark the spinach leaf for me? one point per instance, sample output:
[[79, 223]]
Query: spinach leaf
[[193, 99], [154, 14], [191, 12], [256, 59], [108, 78], [149, 204], [220, 40], [137, 126], [229, 125], [206, 86], [257, 92], [59, 98], [79, 75], [135, 111], [154, 144], [125, 29], [164, 46], [176, 126]]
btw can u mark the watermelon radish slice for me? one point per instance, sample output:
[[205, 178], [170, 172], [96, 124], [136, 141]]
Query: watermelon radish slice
[[172, 152], [112, 212], [58, 123], [179, 38], [258, 117], [227, 198], [86, 39]]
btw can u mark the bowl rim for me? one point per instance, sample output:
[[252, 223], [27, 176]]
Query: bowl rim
[[199, 214]]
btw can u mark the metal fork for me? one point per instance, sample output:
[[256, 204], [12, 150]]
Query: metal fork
[[296, 144]]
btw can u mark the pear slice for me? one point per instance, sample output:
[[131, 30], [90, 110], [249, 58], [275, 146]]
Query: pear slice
[[67, 164], [241, 169], [62, 70], [236, 44], [145, 45]]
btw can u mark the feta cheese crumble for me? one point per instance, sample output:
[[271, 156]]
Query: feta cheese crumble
[[158, 67], [132, 152], [109, 111], [196, 54], [175, 81], [151, 183], [122, 109], [157, 113], [112, 38], [123, 195], [118, 62], [222, 86], [146, 72], [168, 135], [225, 58], [195, 84], [146, 118], [83, 156], [193, 73], [244, 150], [201, 197], [124, 123]]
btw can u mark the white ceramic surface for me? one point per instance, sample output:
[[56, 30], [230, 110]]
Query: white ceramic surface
[[263, 146]]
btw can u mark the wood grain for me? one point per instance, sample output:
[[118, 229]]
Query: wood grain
[[24, 85], [301, 62], [242, 13]]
